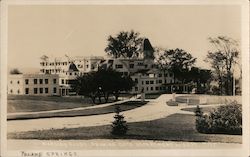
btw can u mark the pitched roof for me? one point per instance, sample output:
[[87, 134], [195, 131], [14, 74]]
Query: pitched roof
[[72, 67]]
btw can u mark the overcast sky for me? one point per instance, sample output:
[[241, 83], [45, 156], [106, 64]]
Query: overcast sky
[[83, 30]]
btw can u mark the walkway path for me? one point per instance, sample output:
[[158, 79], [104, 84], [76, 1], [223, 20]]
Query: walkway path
[[155, 109]]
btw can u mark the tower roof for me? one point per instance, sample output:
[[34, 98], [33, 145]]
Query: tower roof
[[146, 45], [147, 49]]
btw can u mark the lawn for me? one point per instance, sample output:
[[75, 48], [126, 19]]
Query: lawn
[[176, 127], [152, 96], [83, 112], [45, 103], [204, 109]]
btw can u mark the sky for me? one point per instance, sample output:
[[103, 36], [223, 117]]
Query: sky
[[82, 30]]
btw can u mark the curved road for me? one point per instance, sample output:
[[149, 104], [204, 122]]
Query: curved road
[[155, 109]]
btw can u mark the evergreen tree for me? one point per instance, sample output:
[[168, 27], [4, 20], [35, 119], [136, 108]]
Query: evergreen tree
[[198, 112], [119, 126]]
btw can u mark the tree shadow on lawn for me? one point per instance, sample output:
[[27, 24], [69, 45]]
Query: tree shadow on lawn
[[84, 112], [176, 127]]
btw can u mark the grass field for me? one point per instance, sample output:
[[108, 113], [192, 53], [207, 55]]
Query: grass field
[[22, 103], [204, 109], [84, 112], [152, 96], [176, 127]]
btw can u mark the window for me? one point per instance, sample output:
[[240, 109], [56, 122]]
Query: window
[[54, 81], [26, 90], [160, 75], [147, 82], [156, 88], [62, 81], [136, 80], [70, 73], [41, 90], [142, 82], [11, 91], [140, 64], [18, 91], [136, 88], [10, 82], [35, 81], [118, 66], [152, 88], [160, 81], [147, 88], [46, 90], [131, 66], [41, 81], [18, 83], [146, 65], [151, 82], [54, 90], [35, 90], [170, 75], [46, 81]]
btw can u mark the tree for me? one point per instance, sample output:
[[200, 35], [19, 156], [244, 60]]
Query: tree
[[162, 61], [112, 82], [177, 61], [15, 71], [201, 77], [222, 59], [102, 84], [85, 85], [125, 44], [119, 126]]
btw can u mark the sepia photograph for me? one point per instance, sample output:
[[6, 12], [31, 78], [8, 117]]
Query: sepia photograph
[[86, 78]]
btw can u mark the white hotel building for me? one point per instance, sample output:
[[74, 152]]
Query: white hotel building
[[33, 84], [56, 74]]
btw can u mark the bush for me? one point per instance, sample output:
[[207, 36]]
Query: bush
[[119, 126], [224, 120]]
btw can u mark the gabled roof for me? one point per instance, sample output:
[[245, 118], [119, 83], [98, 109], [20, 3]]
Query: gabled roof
[[72, 67]]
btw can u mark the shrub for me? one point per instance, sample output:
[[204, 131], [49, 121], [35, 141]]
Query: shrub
[[119, 126], [224, 120]]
